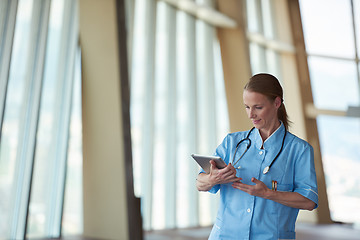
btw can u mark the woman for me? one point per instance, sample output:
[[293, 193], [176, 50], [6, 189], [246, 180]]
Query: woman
[[264, 185]]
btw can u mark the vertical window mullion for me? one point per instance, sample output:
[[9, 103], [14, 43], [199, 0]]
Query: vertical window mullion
[[28, 128], [356, 41], [130, 11]]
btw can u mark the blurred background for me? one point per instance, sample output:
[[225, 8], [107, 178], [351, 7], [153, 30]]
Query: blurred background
[[103, 102]]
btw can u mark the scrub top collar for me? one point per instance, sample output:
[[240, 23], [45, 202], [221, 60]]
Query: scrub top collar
[[273, 141]]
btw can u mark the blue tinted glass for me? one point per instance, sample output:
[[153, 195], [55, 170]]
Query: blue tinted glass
[[334, 83], [340, 141], [43, 182], [326, 24], [13, 118]]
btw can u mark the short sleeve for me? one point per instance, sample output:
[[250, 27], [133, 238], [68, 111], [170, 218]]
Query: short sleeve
[[305, 175]]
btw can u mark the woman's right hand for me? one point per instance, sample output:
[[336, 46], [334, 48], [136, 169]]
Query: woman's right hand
[[221, 176], [216, 176]]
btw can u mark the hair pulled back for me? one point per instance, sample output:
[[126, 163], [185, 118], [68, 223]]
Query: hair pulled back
[[269, 86]]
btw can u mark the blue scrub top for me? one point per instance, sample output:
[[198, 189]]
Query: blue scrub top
[[242, 216]]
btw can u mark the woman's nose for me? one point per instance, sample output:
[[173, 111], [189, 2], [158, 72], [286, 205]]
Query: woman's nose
[[252, 113]]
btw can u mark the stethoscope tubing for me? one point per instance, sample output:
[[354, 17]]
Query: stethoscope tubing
[[267, 169], [282, 146], [247, 147]]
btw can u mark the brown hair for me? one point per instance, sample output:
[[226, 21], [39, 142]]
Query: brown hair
[[269, 86]]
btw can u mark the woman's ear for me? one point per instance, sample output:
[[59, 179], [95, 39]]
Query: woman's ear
[[278, 102]]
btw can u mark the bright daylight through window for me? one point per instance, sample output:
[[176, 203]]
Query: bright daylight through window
[[40, 121], [333, 47], [176, 72]]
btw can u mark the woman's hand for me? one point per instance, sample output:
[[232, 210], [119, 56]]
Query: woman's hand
[[259, 189], [216, 176], [221, 176], [290, 199]]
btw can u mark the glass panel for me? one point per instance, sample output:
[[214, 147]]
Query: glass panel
[[73, 215], [137, 93], [13, 118], [186, 112], [46, 148], [257, 58], [222, 114], [273, 63], [161, 124], [142, 106], [334, 83], [328, 23], [254, 17], [340, 147], [167, 106], [21, 121], [206, 106], [268, 19]]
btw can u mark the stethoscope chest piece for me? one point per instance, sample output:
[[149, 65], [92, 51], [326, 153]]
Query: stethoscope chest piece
[[266, 170]]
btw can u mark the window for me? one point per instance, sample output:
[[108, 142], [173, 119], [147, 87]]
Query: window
[[266, 47], [176, 76], [39, 104], [331, 30]]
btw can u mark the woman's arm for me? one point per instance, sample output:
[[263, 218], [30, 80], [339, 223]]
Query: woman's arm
[[290, 199], [205, 182]]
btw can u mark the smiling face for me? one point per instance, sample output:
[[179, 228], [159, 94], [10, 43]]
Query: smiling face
[[262, 111]]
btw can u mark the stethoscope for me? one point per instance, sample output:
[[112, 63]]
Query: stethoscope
[[266, 169]]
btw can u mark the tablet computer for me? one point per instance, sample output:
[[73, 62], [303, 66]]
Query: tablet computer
[[204, 161]]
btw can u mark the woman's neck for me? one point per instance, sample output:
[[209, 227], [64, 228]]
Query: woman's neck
[[266, 133]]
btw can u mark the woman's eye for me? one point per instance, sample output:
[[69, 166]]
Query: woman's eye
[[259, 108]]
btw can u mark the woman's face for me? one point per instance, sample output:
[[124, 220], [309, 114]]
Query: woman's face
[[261, 111]]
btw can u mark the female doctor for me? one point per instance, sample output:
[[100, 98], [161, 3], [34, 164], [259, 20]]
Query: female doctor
[[270, 172]]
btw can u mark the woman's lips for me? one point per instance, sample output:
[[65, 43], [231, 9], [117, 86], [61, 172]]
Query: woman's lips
[[256, 121]]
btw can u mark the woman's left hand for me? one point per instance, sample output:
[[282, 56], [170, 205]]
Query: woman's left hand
[[259, 189], [290, 199]]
